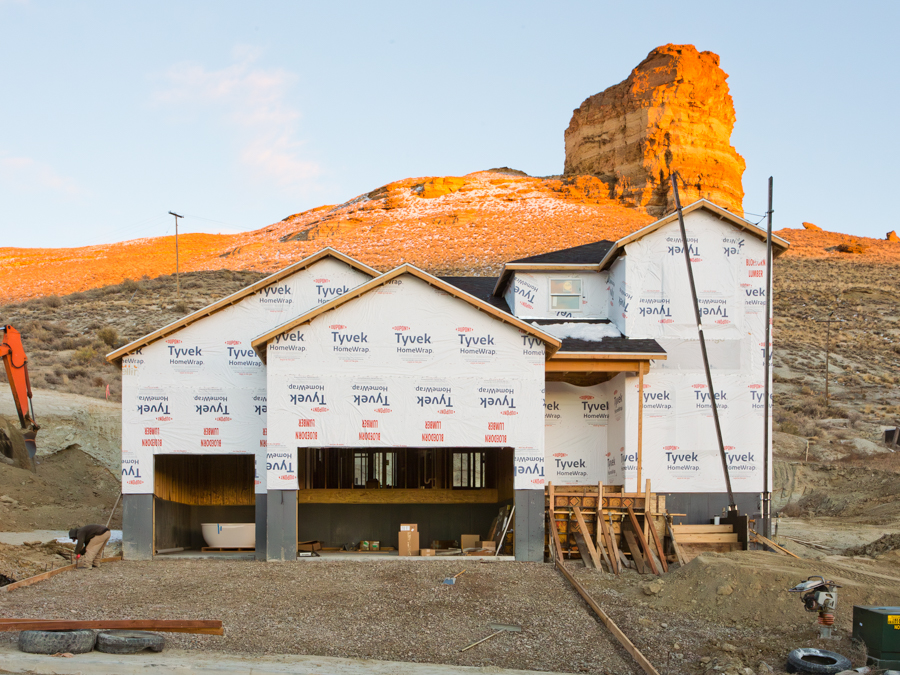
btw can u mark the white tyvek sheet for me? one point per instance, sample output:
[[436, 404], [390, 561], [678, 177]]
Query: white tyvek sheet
[[202, 390], [528, 295], [406, 365], [658, 300], [617, 296], [680, 449], [576, 420], [615, 441]]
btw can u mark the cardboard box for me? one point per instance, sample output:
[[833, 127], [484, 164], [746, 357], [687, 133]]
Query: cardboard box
[[470, 541], [426, 551], [489, 545], [409, 543], [374, 545], [313, 545], [409, 527], [364, 546]]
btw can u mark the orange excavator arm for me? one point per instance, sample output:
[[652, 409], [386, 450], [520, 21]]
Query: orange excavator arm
[[16, 363]]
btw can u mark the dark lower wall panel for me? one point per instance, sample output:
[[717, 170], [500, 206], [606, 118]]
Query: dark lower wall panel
[[173, 525], [701, 506], [339, 524], [137, 527]]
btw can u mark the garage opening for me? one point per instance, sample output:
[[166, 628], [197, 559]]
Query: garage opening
[[348, 495], [190, 490]]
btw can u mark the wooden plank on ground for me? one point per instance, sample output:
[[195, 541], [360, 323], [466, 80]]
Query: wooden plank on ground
[[641, 541], [634, 549], [592, 552], [201, 627], [708, 538], [768, 542], [642, 661], [46, 575], [702, 529]]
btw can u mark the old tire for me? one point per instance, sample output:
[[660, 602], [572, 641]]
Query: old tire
[[56, 641], [822, 661], [129, 641]]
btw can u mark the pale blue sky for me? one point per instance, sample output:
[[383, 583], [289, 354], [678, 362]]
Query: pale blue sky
[[239, 114]]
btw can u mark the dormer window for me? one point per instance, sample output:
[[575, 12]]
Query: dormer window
[[565, 295]]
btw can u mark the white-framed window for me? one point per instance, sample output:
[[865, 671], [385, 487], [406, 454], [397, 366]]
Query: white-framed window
[[565, 295]]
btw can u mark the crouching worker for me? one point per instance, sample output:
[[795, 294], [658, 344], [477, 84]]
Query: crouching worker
[[89, 542]]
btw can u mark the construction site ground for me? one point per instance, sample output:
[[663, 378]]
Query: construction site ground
[[723, 613]]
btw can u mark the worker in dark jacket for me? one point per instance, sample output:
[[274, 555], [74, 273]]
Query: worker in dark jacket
[[89, 542]]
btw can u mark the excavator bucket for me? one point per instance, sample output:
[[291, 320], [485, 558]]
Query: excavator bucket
[[14, 447]]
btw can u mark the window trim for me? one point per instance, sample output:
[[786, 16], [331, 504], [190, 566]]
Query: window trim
[[580, 294]]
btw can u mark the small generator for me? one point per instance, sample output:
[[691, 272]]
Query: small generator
[[879, 629]]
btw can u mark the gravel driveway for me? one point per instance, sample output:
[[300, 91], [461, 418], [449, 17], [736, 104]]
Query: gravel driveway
[[381, 610]]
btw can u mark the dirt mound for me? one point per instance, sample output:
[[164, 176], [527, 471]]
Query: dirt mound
[[70, 488], [887, 543]]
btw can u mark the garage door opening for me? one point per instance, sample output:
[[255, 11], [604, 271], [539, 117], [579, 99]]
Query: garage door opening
[[191, 490], [348, 495]]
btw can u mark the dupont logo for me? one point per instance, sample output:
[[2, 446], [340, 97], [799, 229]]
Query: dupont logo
[[337, 326], [286, 476], [722, 321], [164, 419], [257, 482], [464, 329], [446, 411], [585, 398], [699, 386], [232, 342], [670, 447], [755, 386], [509, 412], [537, 481], [321, 281], [667, 320], [696, 259], [382, 410], [746, 285], [320, 409], [400, 328], [223, 419], [526, 305], [560, 454], [135, 482], [173, 341], [730, 447], [609, 454]]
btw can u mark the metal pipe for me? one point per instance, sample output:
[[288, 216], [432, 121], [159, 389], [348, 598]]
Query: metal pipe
[[732, 507], [767, 497]]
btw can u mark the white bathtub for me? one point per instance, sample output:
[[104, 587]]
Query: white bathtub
[[229, 535]]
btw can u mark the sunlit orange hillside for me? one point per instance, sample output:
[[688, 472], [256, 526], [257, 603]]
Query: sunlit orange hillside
[[449, 225]]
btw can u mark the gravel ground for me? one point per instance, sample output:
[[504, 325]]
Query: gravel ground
[[381, 610]]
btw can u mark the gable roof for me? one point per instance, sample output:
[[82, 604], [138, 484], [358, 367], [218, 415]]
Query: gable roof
[[259, 344], [779, 245], [482, 288], [234, 298], [586, 254]]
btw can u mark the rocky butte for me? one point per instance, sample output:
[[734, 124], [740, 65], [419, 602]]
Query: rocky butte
[[673, 113]]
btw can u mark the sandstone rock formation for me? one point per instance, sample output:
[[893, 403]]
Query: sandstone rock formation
[[673, 113], [811, 226], [891, 236]]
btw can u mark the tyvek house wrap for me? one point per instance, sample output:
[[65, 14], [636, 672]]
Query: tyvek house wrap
[[202, 389], [406, 365]]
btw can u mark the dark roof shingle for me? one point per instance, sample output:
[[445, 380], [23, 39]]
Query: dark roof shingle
[[480, 287], [586, 254]]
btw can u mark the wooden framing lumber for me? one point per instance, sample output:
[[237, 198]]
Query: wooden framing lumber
[[592, 552], [582, 548], [635, 550], [641, 541], [46, 575], [640, 429], [614, 546], [679, 555], [636, 654], [768, 542], [612, 553], [702, 529], [724, 538], [659, 546], [201, 627]]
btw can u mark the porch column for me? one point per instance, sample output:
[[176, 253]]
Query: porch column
[[281, 532], [137, 527]]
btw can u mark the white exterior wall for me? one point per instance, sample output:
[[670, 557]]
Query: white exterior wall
[[202, 389], [406, 365], [680, 450], [528, 295]]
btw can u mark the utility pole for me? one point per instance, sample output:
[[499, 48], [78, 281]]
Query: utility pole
[[828, 323], [177, 278], [767, 497]]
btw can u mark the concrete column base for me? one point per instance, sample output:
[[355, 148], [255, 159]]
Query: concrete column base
[[281, 532], [137, 527], [529, 524]]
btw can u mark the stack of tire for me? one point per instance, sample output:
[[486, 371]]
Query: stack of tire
[[83, 641]]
